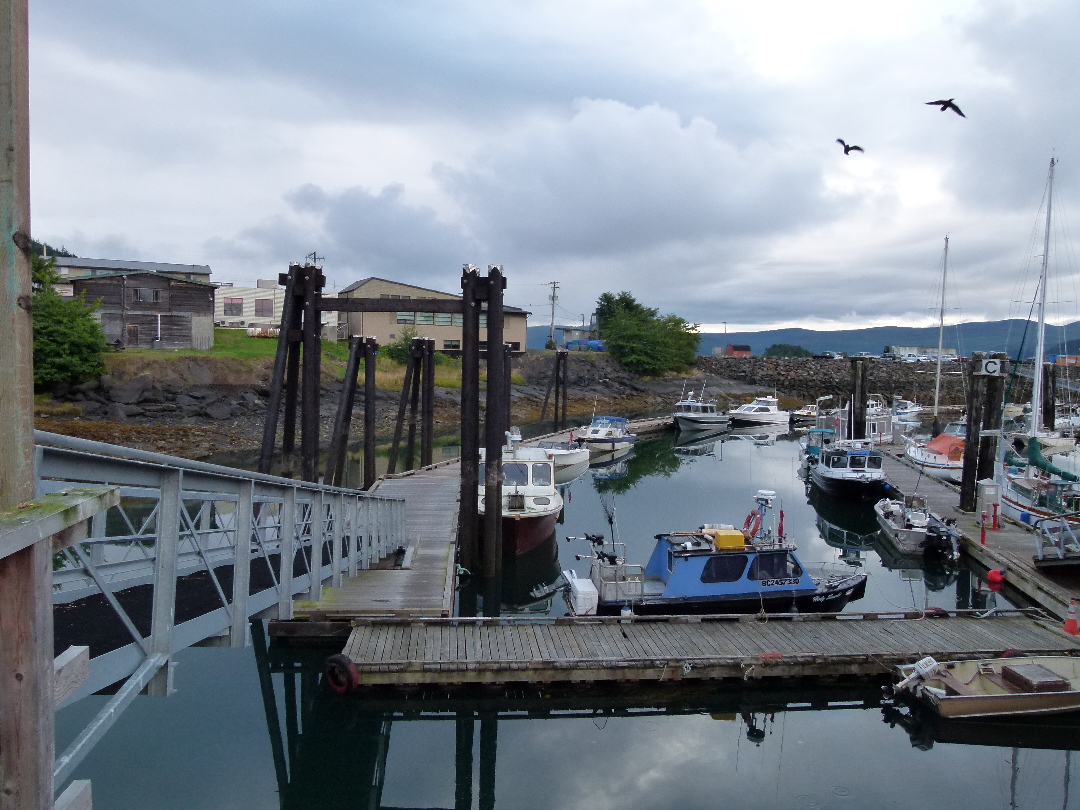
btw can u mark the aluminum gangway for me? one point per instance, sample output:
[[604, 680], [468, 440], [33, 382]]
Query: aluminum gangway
[[214, 546]]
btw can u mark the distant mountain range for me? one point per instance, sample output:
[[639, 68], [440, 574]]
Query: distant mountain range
[[980, 336]]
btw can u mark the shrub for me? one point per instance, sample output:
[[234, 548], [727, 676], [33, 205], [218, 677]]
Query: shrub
[[68, 341]]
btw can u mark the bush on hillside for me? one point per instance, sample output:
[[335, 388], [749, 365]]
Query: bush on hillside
[[642, 341], [68, 341]]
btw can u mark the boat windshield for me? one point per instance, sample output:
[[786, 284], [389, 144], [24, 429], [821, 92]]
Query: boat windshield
[[724, 568], [541, 475], [514, 473], [838, 462], [775, 565]]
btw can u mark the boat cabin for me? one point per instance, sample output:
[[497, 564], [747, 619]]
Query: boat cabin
[[847, 457], [691, 405]]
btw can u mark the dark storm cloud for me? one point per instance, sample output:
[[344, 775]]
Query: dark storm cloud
[[361, 233]]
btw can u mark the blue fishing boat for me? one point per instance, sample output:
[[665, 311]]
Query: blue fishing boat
[[717, 569]]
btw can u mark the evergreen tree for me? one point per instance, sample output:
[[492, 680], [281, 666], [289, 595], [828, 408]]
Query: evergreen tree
[[68, 341]]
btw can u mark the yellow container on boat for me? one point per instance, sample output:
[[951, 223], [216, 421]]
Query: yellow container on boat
[[728, 538]]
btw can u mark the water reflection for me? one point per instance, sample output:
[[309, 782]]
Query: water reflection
[[642, 745]]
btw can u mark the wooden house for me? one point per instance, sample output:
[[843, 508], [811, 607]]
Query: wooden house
[[149, 310]]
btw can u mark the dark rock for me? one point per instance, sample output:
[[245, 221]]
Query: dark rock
[[91, 408], [249, 399], [262, 390], [153, 395], [120, 411], [87, 387], [156, 408], [218, 410], [198, 393], [185, 401], [60, 390], [105, 381], [78, 397], [131, 391]]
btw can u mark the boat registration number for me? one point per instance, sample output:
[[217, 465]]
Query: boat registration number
[[770, 583]]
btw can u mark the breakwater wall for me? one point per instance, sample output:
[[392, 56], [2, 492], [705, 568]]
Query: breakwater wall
[[810, 378]]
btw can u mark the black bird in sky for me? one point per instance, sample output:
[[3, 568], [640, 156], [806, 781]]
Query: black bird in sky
[[849, 149], [947, 104]]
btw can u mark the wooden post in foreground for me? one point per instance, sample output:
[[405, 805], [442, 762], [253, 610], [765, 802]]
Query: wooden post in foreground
[[371, 348], [26, 621], [494, 439]]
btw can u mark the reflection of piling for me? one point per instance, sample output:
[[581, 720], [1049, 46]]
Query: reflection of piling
[[489, 749], [860, 372], [463, 761], [975, 400]]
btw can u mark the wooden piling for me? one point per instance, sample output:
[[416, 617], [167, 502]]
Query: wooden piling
[[860, 369], [277, 380], [292, 381], [508, 375], [403, 404], [371, 348], [335, 459], [416, 352], [495, 437], [310, 373], [993, 399], [564, 386], [976, 397], [26, 655], [1049, 395], [427, 410], [468, 518]]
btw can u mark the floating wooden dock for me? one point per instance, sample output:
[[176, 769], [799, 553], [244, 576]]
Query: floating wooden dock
[[1010, 548], [423, 585], [593, 649]]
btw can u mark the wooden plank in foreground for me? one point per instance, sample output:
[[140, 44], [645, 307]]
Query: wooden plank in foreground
[[474, 650]]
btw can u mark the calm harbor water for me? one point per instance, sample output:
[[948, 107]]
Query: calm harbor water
[[228, 739]]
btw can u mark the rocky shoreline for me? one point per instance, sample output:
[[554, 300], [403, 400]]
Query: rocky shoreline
[[197, 407]]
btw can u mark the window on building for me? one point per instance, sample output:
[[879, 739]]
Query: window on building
[[406, 317], [234, 307], [458, 319], [264, 308], [146, 294], [452, 345], [425, 318], [443, 319], [395, 297], [515, 346], [483, 320]]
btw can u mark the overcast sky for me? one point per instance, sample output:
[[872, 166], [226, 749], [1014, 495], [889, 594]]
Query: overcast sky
[[683, 151]]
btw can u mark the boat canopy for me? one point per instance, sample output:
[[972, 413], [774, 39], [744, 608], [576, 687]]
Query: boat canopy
[[1035, 456], [618, 420], [945, 444]]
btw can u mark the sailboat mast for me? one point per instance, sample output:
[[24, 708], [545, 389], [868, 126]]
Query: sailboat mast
[[1037, 383], [941, 328]]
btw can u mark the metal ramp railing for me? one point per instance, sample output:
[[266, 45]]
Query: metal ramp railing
[[213, 545]]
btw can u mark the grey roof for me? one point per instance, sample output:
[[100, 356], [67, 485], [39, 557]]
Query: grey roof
[[363, 281], [116, 264], [171, 276]]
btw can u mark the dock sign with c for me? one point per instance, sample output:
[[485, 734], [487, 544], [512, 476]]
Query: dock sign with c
[[990, 368]]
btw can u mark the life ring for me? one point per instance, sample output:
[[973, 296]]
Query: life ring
[[341, 674], [751, 524]]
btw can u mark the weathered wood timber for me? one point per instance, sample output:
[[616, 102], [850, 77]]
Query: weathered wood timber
[[594, 649]]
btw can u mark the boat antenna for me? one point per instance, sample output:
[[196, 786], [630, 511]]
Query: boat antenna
[[936, 429]]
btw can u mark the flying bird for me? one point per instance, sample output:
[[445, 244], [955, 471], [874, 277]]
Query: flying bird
[[849, 149], [946, 104]]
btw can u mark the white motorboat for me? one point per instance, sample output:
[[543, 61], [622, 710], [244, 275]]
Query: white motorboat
[[607, 434], [699, 414], [810, 413], [907, 410], [942, 456], [846, 467], [530, 501], [762, 411], [565, 454], [914, 529]]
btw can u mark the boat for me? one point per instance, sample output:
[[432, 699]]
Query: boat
[[607, 434], [699, 414], [942, 456], [906, 410], [1032, 487], [762, 411], [717, 569], [565, 454], [845, 468], [531, 504], [810, 413], [914, 529], [994, 687]]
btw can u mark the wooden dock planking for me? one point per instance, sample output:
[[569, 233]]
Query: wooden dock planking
[[1010, 548], [426, 587], [432, 651]]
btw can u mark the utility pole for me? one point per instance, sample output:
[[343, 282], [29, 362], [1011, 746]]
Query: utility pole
[[554, 297]]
